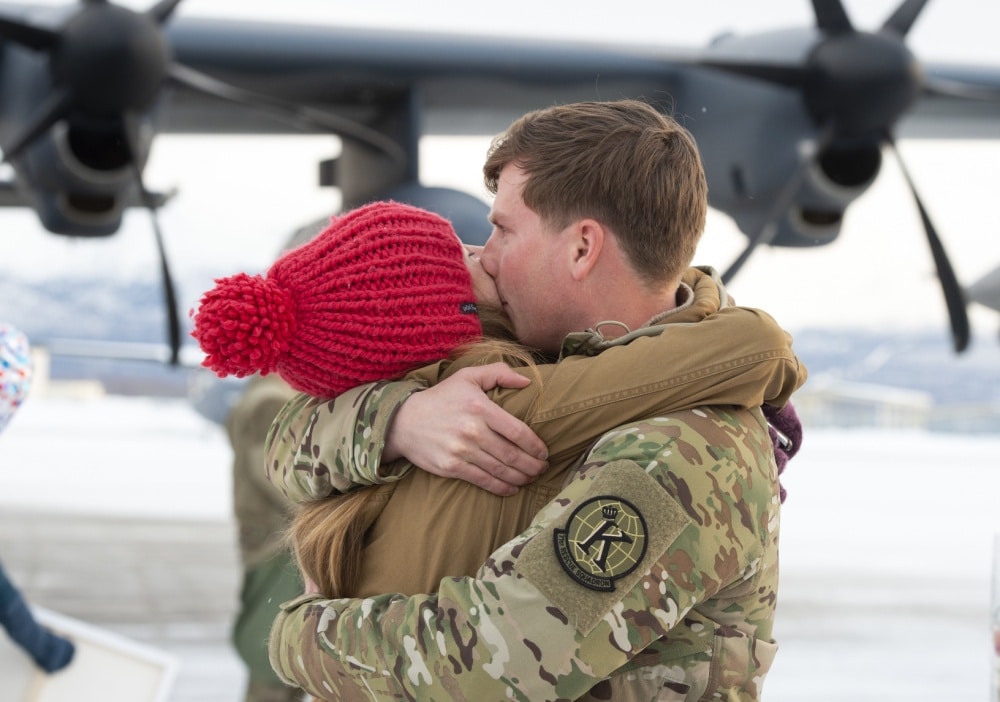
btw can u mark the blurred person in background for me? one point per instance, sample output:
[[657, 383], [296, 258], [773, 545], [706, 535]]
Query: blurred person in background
[[48, 650]]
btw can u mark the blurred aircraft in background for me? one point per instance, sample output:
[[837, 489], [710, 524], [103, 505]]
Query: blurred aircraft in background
[[792, 124]]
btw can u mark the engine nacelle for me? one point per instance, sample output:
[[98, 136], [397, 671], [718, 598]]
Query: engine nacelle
[[79, 179], [751, 156], [71, 153], [833, 181], [467, 213]]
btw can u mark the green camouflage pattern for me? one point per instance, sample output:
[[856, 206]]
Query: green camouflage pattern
[[680, 513], [309, 455]]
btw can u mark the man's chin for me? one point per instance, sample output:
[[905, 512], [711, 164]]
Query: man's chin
[[538, 342]]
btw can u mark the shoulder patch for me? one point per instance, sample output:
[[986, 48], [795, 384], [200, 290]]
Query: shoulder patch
[[590, 557], [605, 539]]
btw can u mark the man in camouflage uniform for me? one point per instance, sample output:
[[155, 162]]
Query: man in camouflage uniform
[[652, 575], [581, 596]]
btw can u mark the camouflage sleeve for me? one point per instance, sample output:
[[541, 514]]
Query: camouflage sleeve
[[653, 523], [316, 448]]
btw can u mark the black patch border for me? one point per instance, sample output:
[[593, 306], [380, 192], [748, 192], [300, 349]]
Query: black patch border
[[595, 582]]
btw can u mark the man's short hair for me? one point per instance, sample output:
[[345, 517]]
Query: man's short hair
[[623, 163]]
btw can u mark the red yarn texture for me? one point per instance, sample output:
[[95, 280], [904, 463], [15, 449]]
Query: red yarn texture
[[379, 292], [244, 324]]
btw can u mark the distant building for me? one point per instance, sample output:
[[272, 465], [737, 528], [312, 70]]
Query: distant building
[[967, 419], [829, 402], [42, 382]]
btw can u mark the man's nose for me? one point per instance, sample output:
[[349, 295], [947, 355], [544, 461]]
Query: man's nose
[[487, 257]]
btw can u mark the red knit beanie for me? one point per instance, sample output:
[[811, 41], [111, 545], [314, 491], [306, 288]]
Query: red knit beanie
[[382, 290]]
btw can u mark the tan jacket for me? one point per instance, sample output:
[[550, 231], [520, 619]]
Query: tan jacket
[[424, 528]]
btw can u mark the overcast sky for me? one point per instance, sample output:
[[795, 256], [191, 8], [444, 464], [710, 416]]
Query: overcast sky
[[239, 198]]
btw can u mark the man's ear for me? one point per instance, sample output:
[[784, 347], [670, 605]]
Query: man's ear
[[587, 243]]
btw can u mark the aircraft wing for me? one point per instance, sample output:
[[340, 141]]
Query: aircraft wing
[[463, 84], [966, 106]]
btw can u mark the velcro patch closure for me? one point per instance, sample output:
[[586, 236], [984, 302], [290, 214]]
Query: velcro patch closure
[[603, 543]]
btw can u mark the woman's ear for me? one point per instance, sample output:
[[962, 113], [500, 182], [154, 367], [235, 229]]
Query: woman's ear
[[587, 242]]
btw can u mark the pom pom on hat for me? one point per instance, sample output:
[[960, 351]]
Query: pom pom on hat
[[382, 290], [15, 371], [244, 324]]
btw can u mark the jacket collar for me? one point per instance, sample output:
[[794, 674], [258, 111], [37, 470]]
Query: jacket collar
[[699, 295]]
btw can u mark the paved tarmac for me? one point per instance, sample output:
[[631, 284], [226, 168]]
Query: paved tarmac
[[887, 550], [172, 584], [167, 583]]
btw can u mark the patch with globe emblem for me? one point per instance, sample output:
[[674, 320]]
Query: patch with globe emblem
[[598, 544], [605, 539]]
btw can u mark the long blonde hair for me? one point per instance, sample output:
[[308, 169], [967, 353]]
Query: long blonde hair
[[328, 535]]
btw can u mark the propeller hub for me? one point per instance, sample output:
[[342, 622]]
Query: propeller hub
[[862, 83], [110, 59]]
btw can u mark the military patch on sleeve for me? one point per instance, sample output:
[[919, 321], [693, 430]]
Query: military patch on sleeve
[[605, 539], [596, 552]]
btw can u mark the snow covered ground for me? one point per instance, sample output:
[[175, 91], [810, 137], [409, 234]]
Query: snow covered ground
[[887, 538]]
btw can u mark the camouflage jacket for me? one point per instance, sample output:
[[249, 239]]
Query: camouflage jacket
[[651, 576]]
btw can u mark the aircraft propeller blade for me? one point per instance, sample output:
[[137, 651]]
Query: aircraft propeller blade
[[162, 10], [55, 107], [767, 231], [953, 294], [901, 21], [169, 289], [831, 16], [132, 127], [27, 35]]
